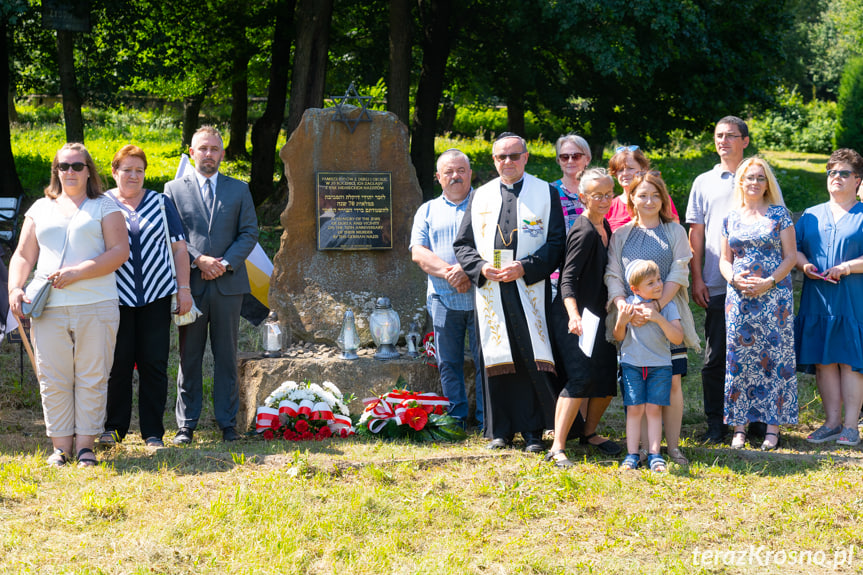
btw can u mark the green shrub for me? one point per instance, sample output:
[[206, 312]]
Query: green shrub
[[795, 125], [486, 122], [40, 115], [849, 131]]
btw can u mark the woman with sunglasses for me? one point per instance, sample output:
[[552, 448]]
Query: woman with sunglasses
[[76, 238], [573, 156], [627, 163], [828, 328], [654, 234], [145, 284]]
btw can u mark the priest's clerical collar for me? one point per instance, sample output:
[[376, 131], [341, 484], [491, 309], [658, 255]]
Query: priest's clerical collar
[[515, 188]]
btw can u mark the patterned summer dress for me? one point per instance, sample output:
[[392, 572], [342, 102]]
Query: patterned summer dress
[[760, 379]]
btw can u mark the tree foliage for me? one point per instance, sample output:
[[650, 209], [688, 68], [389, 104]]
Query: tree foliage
[[849, 131]]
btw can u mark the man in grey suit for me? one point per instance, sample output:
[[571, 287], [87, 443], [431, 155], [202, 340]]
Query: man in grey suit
[[221, 230]]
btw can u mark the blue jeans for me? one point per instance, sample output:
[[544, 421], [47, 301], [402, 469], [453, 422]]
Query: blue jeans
[[449, 329]]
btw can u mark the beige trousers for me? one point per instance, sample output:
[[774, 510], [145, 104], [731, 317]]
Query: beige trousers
[[74, 349]]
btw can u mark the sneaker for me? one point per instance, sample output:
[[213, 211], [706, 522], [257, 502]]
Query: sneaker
[[849, 436], [824, 434], [154, 442]]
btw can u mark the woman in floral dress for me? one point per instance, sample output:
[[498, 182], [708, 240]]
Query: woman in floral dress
[[758, 253]]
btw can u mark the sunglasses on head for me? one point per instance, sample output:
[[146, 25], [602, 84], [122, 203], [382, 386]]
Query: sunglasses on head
[[567, 157], [77, 166], [655, 173], [619, 149]]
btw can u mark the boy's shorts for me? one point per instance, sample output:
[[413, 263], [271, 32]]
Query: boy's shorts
[[646, 385]]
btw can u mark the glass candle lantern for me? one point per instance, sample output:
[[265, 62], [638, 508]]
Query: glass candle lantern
[[272, 336], [349, 339], [385, 326], [413, 340]]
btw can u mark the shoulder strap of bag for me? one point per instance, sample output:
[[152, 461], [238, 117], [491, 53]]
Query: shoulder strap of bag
[[68, 226]]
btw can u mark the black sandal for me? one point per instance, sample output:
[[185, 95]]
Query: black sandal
[[87, 461], [608, 447], [58, 458], [562, 463]]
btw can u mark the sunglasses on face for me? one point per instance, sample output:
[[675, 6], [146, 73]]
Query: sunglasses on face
[[511, 157], [619, 149], [567, 157], [77, 166], [844, 174]]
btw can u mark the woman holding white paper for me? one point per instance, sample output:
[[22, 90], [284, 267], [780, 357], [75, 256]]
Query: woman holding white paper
[[653, 234], [582, 293]]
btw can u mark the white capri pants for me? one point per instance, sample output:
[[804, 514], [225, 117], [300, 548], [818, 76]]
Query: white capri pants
[[74, 349]]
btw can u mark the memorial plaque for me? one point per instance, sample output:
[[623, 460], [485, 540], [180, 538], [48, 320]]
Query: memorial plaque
[[354, 210]]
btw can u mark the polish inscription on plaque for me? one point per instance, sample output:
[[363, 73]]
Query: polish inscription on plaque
[[354, 210]]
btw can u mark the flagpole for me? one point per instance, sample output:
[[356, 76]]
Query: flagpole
[[29, 349]]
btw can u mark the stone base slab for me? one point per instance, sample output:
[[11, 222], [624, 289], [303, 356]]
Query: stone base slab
[[364, 377]]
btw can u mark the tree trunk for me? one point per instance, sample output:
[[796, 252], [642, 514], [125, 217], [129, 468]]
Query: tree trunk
[[515, 111], [11, 185], [265, 132], [435, 20], [239, 106], [191, 110], [399, 83], [310, 58], [69, 87]]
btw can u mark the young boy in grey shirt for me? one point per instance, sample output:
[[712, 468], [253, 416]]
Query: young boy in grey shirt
[[645, 360]]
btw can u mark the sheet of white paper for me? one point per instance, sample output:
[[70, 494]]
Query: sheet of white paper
[[589, 327]]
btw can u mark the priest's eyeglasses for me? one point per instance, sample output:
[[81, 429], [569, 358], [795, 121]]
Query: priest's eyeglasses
[[511, 157]]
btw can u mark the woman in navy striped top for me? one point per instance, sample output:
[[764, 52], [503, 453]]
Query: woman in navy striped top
[[145, 284]]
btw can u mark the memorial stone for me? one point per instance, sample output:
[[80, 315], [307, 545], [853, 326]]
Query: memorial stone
[[313, 284]]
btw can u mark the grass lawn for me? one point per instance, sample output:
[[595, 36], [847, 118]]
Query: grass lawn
[[358, 506]]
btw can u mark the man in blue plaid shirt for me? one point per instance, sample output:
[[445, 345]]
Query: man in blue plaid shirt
[[450, 292]]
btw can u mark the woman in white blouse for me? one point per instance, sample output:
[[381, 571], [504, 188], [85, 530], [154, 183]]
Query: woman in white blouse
[[76, 238]]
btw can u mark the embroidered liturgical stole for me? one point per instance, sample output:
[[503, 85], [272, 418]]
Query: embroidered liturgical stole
[[534, 205]]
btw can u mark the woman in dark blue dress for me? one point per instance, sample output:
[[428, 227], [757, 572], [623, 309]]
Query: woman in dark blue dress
[[829, 325]]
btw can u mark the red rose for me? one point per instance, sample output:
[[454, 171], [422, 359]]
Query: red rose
[[428, 408], [325, 432], [343, 432], [289, 435], [301, 426], [307, 436], [269, 435], [438, 410], [416, 417]]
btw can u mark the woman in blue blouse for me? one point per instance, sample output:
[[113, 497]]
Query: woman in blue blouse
[[829, 326], [145, 284]]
